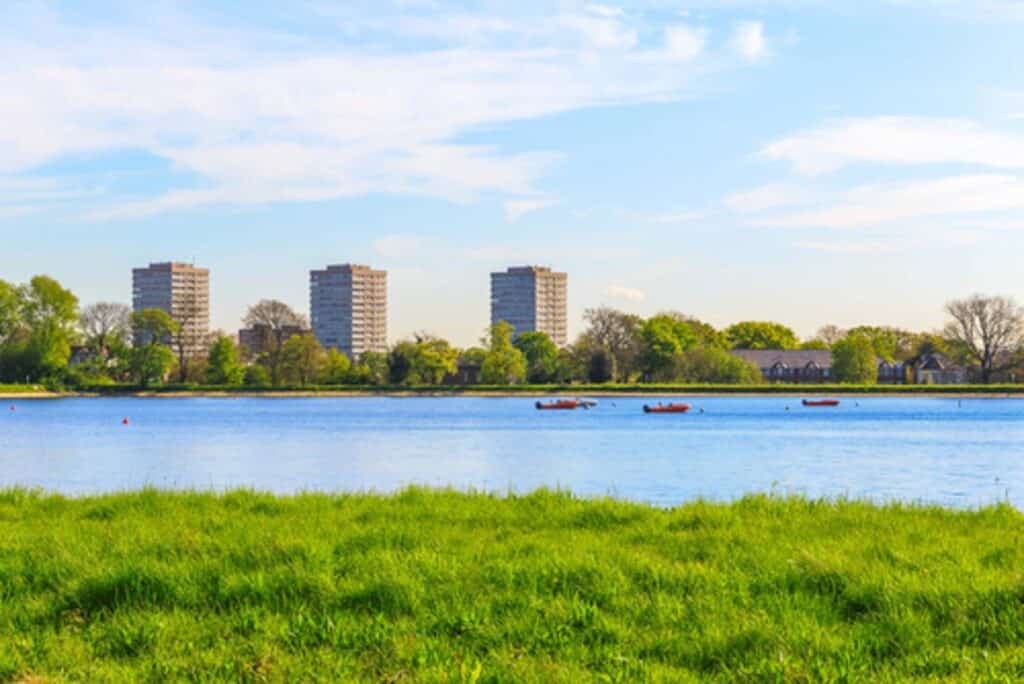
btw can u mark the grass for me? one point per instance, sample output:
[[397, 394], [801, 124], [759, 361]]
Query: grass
[[607, 388], [20, 389], [441, 586]]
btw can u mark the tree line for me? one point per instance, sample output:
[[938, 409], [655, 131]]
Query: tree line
[[47, 337]]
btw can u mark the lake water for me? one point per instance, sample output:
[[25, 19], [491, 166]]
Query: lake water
[[959, 453]]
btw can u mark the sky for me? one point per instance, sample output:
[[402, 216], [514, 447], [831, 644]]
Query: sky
[[804, 161]]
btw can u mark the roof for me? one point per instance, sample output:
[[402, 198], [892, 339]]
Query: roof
[[791, 358]]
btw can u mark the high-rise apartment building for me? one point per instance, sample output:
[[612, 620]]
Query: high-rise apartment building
[[348, 307], [531, 298], [183, 291]]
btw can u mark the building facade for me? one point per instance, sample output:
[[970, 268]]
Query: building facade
[[349, 309], [183, 291], [810, 366], [531, 299]]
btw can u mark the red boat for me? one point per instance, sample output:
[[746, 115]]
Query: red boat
[[821, 402], [559, 405], [667, 408]]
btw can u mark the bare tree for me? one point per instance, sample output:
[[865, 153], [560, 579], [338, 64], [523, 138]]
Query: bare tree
[[830, 334], [274, 321], [988, 328], [619, 334], [104, 323]]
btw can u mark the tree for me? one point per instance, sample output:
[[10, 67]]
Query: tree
[[223, 366], [618, 333], [707, 336], [275, 322], [302, 359], [760, 335], [830, 334], [50, 314], [10, 311], [854, 360], [256, 376], [541, 356], [337, 368], [816, 343], [716, 366], [990, 329], [664, 338], [150, 358], [104, 324], [374, 367], [891, 344], [503, 364], [423, 360]]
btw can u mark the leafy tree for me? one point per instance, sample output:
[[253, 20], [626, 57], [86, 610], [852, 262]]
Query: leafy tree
[[989, 329], [105, 324], [256, 376], [618, 334], [275, 322], [707, 336], [891, 344], [10, 311], [854, 360], [373, 366], [503, 364], [664, 338], [541, 356], [50, 314], [760, 335], [716, 366], [830, 334], [816, 343], [337, 368], [151, 359], [302, 359], [223, 366]]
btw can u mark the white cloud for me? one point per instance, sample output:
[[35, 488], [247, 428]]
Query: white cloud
[[674, 217], [874, 205], [684, 42], [255, 116], [748, 40], [629, 294], [516, 209], [766, 197], [898, 140]]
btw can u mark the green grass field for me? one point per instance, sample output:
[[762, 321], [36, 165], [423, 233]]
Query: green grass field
[[441, 586]]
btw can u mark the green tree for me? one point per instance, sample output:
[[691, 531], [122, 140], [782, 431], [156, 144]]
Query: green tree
[[618, 334], [302, 359], [541, 356], [760, 335], [373, 366], [337, 368], [50, 314], [256, 376], [151, 359], [854, 360], [716, 366], [223, 366], [503, 364], [664, 338], [10, 311], [816, 343]]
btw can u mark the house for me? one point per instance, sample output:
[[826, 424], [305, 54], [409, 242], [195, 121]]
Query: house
[[793, 366], [937, 369], [810, 366]]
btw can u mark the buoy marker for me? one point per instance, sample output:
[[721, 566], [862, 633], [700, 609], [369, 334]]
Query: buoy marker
[[124, 421]]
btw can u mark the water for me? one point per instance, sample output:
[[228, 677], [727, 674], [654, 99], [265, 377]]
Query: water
[[959, 453]]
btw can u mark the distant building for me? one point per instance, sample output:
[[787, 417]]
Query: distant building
[[531, 298], [937, 369], [810, 366], [349, 310], [257, 338], [183, 291]]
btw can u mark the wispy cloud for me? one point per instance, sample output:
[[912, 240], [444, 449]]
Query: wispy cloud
[[748, 40], [516, 209], [629, 294], [766, 197], [898, 140], [673, 217], [255, 115]]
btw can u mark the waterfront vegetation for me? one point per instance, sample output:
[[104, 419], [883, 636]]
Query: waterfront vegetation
[[46, 338], [437, 585]]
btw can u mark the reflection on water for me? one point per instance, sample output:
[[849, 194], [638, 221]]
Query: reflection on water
[[937, 450]]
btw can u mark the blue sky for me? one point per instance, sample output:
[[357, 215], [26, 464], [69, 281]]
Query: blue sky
[[731, 159]]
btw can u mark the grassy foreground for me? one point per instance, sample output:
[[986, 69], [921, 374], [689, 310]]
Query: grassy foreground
[[441, 586]]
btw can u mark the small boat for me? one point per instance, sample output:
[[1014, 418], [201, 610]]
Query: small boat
[[558, 405], [821, 402], [667, 408]]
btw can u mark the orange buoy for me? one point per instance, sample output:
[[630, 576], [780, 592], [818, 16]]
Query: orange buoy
[[124, 421], [13, 407]]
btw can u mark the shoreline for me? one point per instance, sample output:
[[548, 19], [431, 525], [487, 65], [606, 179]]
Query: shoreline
[[499, 394]]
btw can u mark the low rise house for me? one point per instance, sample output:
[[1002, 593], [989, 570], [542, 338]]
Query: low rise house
[[937, 369], [810, 366]]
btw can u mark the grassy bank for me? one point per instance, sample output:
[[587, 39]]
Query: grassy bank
[[428, 586], [607, 389]]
